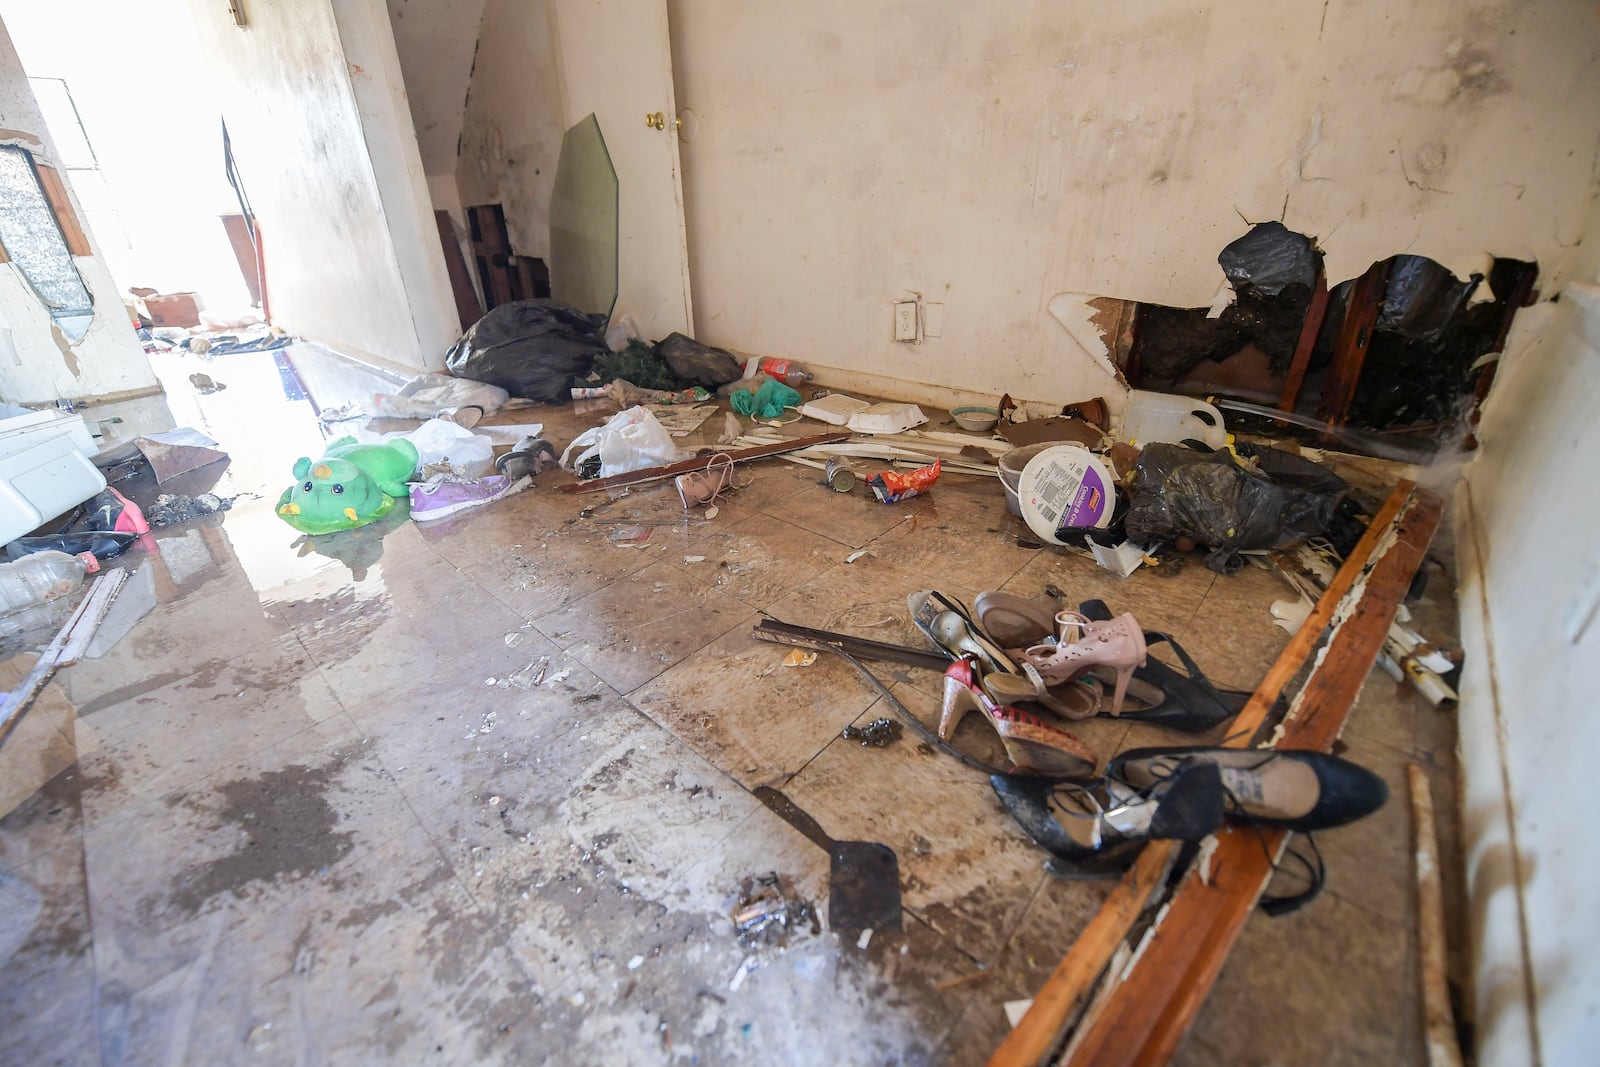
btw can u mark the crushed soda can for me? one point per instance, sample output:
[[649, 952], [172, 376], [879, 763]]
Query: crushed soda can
[[891, 487]]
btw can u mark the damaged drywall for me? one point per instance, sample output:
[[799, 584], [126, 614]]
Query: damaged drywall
[[1105, 150], [42, 363], [436, 40], [511, 132]]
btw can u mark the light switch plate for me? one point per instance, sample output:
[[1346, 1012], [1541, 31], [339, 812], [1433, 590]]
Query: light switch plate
[[905, 320]]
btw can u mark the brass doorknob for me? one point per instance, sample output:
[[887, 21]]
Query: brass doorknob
[[658, 121]]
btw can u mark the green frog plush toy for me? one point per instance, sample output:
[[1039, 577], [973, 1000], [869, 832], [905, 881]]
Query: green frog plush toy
[[351, 485]]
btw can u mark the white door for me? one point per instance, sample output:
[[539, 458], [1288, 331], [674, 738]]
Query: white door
[[616, 61]]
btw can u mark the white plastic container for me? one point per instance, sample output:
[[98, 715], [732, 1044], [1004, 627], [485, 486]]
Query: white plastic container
[[1152, 417], [44, 470], [1066, 488]]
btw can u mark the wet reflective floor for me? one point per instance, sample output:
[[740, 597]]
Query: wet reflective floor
[[483, 791]]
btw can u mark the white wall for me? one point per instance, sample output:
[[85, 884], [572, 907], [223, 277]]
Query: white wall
[[1529, 532], [994, 155], [316, 110], [108, 359], [511, 134]]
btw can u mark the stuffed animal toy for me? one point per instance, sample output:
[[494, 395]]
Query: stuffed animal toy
[[351, 485]]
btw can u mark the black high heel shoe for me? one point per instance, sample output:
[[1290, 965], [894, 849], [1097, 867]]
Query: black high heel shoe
[[1299, 790], [1094, 832]]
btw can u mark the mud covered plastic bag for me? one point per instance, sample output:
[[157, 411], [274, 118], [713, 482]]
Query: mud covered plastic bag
[[1179, 491], [530, 348], [630, 441]]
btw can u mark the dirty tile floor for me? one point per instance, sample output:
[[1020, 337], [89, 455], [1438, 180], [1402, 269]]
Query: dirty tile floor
[[481, 792]]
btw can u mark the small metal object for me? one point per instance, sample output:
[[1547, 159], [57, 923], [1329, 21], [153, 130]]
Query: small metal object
[[837, 473]]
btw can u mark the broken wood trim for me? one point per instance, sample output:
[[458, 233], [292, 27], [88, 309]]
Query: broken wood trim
[[785, 633], [700, 463], [1440, 1023], [64, 650], [55, 192], [1041, 1029], [1355, 338], [1309, 331], [1147, 1015]]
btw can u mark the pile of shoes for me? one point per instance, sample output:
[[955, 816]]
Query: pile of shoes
[[1072, 665]]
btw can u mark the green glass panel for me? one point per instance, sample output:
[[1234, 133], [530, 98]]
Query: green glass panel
[[583, 222]]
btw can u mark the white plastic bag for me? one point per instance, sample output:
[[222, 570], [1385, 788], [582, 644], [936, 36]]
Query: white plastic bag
[[442, 441], [428, 395], [631, 440]]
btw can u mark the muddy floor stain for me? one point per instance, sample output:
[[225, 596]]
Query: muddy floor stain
[[287, 831]]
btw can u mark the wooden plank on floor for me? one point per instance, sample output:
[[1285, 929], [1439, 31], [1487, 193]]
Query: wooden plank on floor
[[1147, 1015], [1443, 1050], [1040, 1029], [64, 650]]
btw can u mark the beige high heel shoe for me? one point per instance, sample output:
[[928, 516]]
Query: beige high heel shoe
[[1084, 643]]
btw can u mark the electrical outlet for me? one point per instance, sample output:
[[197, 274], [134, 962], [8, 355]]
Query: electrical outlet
[[905, 320], [932, 320]]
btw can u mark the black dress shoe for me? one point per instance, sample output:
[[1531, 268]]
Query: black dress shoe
[[1095, 831], [1298, 790]]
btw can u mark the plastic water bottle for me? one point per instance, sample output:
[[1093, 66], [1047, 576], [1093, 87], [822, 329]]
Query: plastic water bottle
[[786, 371], [42, 576]]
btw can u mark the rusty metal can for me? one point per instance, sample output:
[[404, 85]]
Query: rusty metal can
[[837, 473]]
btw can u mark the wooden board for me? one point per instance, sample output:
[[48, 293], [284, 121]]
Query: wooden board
[[1355, 338], [55, 191], [1040, 1029], [1144, 1019], [700, 463], [1309, 331], [468, 310]]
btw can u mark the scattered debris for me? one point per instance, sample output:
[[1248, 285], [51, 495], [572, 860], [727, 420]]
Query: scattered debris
[[799, 658], [629, 536], [879, 733], [952, 983], [864, 940], [768, 912], [745, 968], [857, 554], [173, 508], [1016, 1009], [204, 384], [694, 559]]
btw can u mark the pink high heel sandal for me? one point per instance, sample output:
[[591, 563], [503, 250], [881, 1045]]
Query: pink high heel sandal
[[1084, 643]]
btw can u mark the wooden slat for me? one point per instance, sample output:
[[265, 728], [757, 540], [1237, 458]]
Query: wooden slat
[[1040, 1029], [468, 310], [700, 463], [1309, 330], [55, 191], [1443, 1051], [1146, 1017], [1355, 338], [64, 650]]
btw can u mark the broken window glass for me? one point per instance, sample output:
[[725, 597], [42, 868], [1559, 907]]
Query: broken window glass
[[33, 240], [583, 222]]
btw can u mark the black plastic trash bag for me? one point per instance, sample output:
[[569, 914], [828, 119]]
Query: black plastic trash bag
[[530, 348], [1178, 491], [1270, 258], [699, 364]]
